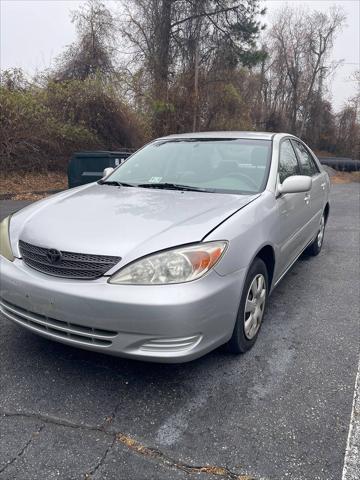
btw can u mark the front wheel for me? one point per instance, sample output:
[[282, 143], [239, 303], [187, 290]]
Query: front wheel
[[315, 247], [251, 309]]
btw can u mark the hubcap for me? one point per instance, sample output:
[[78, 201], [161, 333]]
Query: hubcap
[[320, 236], [254, 306]]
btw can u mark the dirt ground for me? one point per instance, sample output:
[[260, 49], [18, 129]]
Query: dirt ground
[[345, 177], [31, 186]]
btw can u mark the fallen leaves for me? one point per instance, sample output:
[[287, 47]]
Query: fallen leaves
[[345, 177], [31, 186]]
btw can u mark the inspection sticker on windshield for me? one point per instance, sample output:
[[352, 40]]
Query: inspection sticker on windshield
[[155, 179]]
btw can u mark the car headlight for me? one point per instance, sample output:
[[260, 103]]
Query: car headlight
[[5, 247], [178, 265]]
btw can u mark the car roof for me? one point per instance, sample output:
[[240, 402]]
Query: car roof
[[224, 134]]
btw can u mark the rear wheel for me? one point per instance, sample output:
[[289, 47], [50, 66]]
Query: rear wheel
[[251, 309], [315, 247]]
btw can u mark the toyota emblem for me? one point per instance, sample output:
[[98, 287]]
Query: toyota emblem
[[53, 255]]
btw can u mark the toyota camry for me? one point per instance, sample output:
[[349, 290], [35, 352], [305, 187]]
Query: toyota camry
[[173, 253]]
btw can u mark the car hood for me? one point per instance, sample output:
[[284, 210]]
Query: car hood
[[122, 221]]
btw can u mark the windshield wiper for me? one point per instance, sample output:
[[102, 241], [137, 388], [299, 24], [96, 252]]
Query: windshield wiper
[[115, 183], [173, 186], [164, 186]]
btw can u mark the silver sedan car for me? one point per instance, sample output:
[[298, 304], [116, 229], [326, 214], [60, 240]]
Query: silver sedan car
[[173, 253]]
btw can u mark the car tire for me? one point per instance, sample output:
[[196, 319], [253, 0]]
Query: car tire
[[246, 329], [315, 247]]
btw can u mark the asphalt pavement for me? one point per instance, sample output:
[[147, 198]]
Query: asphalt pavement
[[281, 411]]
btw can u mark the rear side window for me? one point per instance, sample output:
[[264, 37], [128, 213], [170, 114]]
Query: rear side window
[[307, 163], [288, 164]]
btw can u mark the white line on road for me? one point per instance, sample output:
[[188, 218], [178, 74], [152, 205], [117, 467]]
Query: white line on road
[[351, 470]]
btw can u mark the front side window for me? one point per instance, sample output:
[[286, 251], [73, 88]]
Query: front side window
[[214, 165], [307, 163], [288, 164]]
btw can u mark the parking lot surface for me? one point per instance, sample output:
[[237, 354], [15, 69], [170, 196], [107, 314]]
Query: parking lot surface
[[281, 411]]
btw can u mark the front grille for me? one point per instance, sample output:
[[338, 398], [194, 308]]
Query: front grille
[[70, 265], [58, 328]]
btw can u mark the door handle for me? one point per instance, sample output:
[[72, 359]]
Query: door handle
[[323, 185], [307, 198]]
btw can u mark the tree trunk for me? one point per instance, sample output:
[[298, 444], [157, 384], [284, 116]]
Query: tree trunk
[[196, 88], [161, 69]]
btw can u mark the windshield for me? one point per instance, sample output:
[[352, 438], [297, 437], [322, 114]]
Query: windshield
[[216, 165]]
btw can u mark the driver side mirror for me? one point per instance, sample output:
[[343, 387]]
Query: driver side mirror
[[107, 171], [295, 184]]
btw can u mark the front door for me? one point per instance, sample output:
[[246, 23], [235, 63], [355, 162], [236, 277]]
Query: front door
[[294, 211], [317, 193]]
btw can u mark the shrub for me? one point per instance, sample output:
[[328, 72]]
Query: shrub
[[42, 126], [32, 137]]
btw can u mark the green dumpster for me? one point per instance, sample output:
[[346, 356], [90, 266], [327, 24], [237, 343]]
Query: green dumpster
[[86, 167]]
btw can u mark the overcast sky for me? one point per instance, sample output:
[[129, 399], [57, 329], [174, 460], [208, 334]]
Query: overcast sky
[[34, 32]]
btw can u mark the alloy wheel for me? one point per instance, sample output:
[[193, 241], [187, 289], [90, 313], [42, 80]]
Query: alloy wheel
[[254, 306], [320, 236]]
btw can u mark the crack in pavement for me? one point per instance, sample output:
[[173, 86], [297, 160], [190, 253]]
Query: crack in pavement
[[89, 475], [23, 450], [110, 418], [104, 428], [137, 447], [53, 420], [132, 444]]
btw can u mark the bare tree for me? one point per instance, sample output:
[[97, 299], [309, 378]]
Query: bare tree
[[299, 45], [322, 29], [94, 50], [348, 124], [188, 38]]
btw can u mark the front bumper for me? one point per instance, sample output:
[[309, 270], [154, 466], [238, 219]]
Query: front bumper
[[167, 323]]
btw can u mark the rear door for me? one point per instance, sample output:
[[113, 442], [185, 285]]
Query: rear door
[[293, 209], [318, 190]]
